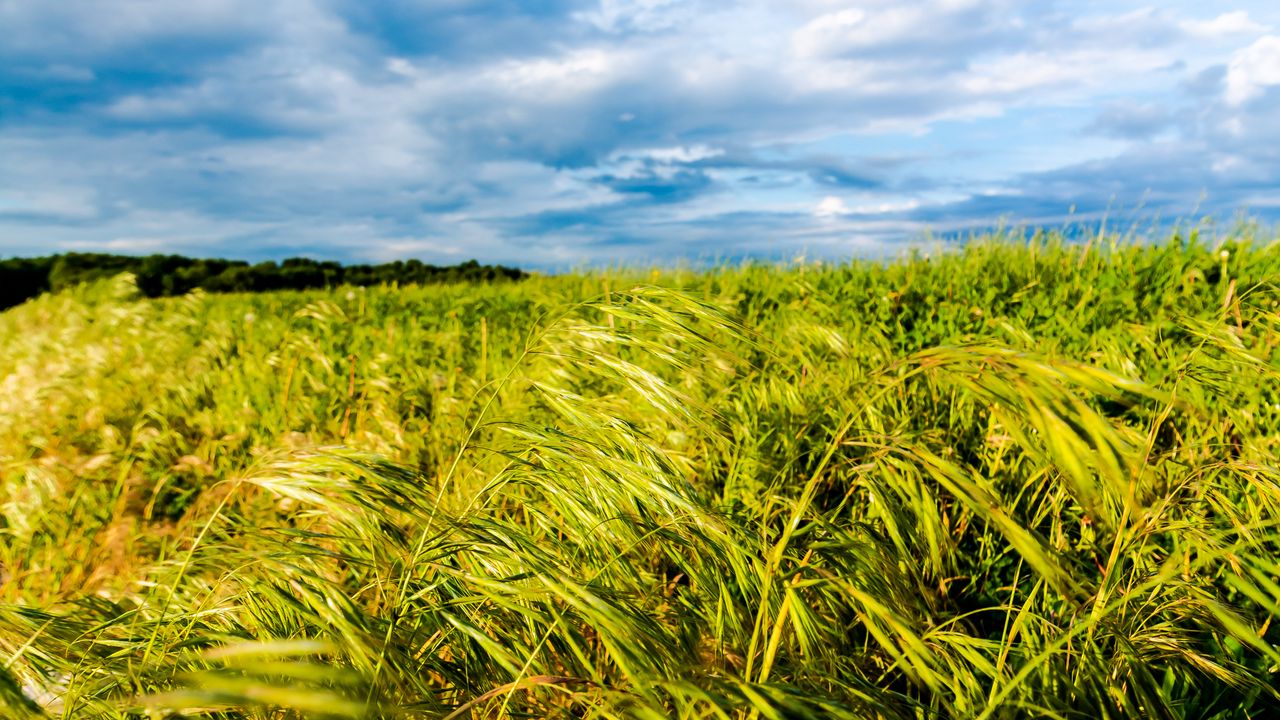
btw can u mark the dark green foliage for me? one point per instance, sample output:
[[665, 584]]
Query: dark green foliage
[[169, 275], [23, 278]]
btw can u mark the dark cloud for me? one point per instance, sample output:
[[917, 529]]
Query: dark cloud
[[1131, 120], [460, 31], [660, 187], [1206, 84], [1168, 182]]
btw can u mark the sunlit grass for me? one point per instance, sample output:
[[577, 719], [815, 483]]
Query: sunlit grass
[[1015, 480]]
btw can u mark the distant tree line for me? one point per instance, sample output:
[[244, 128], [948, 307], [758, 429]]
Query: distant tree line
[[163, 275]]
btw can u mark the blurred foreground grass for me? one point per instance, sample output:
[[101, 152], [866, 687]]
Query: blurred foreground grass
[[1017, 480]]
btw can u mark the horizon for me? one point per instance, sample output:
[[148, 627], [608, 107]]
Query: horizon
[[1206, 232], [566, 134]]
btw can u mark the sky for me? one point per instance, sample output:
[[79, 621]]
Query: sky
[[556, 133]]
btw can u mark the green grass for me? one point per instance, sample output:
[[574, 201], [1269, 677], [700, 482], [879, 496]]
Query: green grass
[[1022, 479]]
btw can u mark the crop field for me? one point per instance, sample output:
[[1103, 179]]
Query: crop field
[[1020, 479]]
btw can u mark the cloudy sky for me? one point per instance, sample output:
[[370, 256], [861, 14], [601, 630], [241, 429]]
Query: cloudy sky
[[559, 132]]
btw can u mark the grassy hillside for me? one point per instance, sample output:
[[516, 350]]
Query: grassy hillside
[[1018, 480]]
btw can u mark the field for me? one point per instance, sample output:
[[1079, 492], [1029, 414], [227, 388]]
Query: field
[[1027, 478]]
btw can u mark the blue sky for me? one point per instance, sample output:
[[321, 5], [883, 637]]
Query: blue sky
[[550, 133]]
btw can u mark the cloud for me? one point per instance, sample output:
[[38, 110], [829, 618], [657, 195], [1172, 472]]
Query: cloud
[[951, 29], [1253, 69], [831, 206], [646, 16], [565, 131], [1236, 22], [1131, 120], [84, 28]]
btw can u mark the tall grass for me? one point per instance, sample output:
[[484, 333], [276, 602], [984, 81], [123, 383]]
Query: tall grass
[[1015, 480]]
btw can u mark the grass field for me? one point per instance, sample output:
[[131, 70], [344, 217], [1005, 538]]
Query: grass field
[[1022, 479]]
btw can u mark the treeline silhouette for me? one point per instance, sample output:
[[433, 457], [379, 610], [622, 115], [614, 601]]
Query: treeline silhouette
[[164, 275]]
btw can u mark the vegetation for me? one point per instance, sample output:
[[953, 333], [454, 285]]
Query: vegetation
[[167, 275], [1021, 479]]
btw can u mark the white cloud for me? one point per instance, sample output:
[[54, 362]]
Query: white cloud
[[417, 247], [677, 154], [827, 33], [831, 206], [887, 207], [574, 73], [66, 202], [643, 15], [402, 67], [1236, 22], [1253, 69], [1023, 72], [919, 28]]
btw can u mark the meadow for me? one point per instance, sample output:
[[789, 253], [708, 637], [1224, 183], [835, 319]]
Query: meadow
[[1026, 478]]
